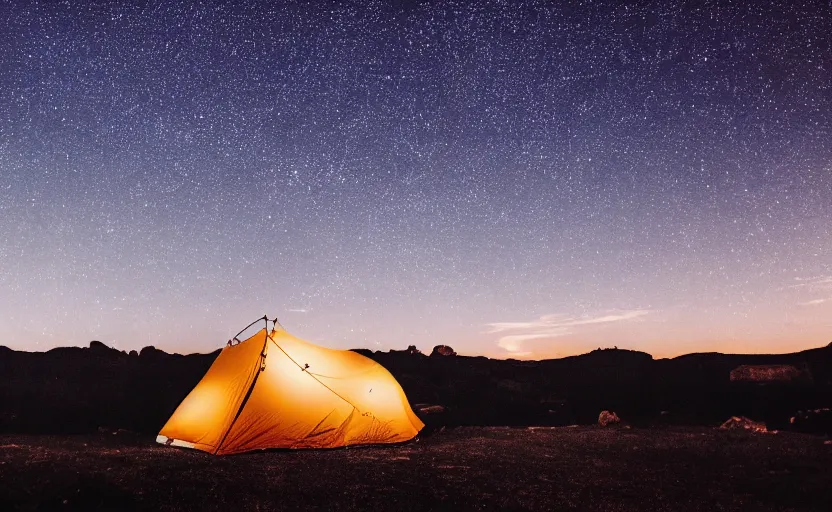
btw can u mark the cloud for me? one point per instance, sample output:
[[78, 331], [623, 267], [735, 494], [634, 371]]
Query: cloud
[[551, 326], [513, 342], [818, 284], [301, 310], [540, 323], [814, 302], [821, 282]]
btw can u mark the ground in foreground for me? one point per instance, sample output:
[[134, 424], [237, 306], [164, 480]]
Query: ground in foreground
[[586, 468]]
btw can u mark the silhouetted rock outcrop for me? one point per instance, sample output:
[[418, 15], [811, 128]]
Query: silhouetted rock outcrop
[[152, 352], [442, 350], [607, 418], [97, 346]]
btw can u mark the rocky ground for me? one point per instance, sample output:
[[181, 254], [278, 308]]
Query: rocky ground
[[466, 468]]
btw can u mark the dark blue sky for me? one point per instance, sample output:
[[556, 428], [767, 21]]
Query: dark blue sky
[[527, 178]]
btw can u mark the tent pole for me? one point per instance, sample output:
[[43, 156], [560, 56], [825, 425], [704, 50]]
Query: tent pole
[[249, 325]]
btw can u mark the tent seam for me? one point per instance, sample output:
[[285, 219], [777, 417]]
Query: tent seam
[[247, 396], [315, 378]]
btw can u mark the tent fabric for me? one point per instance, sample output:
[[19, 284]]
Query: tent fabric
[[274, 390]]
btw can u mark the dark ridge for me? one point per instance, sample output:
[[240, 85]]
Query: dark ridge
[[79, 390]]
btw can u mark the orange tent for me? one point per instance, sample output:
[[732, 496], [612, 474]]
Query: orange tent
[[274, 390]]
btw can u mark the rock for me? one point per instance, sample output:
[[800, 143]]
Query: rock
[[743, 423], [771, 373], [133, 353], [152, 352], [607, 418], [96, 347], [412, 350], [442, 350], [427, 409]]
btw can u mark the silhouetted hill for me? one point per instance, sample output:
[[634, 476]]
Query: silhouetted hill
[[76, 390]]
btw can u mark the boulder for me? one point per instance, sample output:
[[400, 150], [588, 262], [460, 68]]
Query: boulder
[[607, 418], [428, 409], [442, 350], [771, 373], [434, 416], [743, 423]]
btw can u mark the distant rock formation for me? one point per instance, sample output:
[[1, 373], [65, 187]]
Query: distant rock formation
[[607, 418], [770, 373], [97, 346], [152, 352], [442, 350], [410, 350], [743, 423]]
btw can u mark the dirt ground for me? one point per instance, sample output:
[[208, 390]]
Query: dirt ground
[[578, 468]]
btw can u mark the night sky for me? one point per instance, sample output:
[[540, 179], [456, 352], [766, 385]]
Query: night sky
[[514, 179]]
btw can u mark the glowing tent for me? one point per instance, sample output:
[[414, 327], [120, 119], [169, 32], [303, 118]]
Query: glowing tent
[[276, 391]]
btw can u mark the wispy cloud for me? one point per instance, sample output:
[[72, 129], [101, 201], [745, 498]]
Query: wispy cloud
[[298, 310], [819, 282], [551, 326], [514, 342]]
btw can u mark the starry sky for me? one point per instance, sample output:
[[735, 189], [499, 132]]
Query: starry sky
[[514, 179]]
